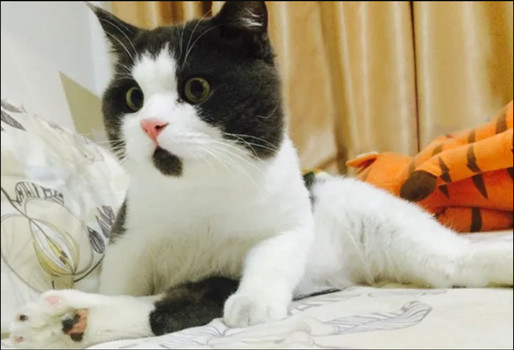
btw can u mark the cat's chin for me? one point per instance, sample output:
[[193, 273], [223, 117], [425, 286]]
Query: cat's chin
[[166, 162]]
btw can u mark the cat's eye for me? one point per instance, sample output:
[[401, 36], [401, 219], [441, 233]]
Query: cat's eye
[[134, 98], [196, 90]]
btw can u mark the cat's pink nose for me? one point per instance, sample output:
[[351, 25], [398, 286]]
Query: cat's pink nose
[[153, 127]]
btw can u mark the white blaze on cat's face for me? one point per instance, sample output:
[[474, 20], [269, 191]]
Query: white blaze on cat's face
[[186, 135]]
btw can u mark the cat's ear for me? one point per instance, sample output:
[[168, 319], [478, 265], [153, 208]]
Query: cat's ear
[[120, 34], [244, 24], [249, 16]]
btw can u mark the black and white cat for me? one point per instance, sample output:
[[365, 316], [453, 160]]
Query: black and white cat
[[195, 114]]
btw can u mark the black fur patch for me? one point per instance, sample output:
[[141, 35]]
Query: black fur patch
[[191, 305], [308, 179], [196, 304], [234, 57], [167, 163]]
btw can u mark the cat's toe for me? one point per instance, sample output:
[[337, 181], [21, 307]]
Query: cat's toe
[[246, 310], [50, 322]]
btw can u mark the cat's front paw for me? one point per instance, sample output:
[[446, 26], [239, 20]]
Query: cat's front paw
[[242, 310], [56, 320]]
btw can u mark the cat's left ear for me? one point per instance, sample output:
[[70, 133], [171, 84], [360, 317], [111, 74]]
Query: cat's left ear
[[120, 34], [245, 24]]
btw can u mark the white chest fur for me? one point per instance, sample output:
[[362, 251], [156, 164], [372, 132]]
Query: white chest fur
[[203, 222]]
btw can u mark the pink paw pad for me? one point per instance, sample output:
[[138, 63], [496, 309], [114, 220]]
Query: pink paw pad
[[18, 339], [53, 299]]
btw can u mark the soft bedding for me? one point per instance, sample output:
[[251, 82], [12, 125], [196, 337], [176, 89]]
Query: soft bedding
[[388, 316], [363, 317]]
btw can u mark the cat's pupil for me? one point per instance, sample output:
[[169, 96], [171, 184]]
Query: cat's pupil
[[134, 98], [137, 97], [197, 88]]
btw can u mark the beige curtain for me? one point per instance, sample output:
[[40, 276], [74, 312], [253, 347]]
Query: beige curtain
[[375, 76]]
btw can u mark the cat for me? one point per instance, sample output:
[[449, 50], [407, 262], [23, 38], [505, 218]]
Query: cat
[[218, 220]]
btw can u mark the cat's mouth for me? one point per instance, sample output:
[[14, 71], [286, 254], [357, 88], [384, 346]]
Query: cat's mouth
[[166, 163]]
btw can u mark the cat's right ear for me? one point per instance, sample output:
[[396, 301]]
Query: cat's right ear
[[120, 34], [245, 25]]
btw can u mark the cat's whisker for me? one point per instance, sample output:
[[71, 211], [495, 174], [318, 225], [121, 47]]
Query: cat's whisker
[[121, 31], [181, 41], [235, 151], [189, 40], [223, 157], [194, 29], [230, 152], [274, 149], [207, 159], [201, 35], [251, 144], [129, 71], [235, 164], [272, 146], [247, 143], [219, 160], [269, 115], [122, 45]]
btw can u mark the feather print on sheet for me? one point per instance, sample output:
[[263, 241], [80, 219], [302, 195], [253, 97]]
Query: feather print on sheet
[[56, 243], [7, 118], [409, 315]]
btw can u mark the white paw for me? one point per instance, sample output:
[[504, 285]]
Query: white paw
[[243, 310], [57, 320], [495, 261]]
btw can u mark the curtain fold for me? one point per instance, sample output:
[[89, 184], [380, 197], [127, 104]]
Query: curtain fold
[[464, 63], [375, 76], [371, 60]]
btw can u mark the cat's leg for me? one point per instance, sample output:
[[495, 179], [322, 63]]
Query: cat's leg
[[272, 270], [365, 234], [126, 270], [74, 319], [426, 253]]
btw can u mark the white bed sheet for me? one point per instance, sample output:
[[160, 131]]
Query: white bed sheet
[[391, 316]]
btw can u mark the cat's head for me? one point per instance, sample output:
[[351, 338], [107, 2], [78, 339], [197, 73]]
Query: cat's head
[[204, 91]]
